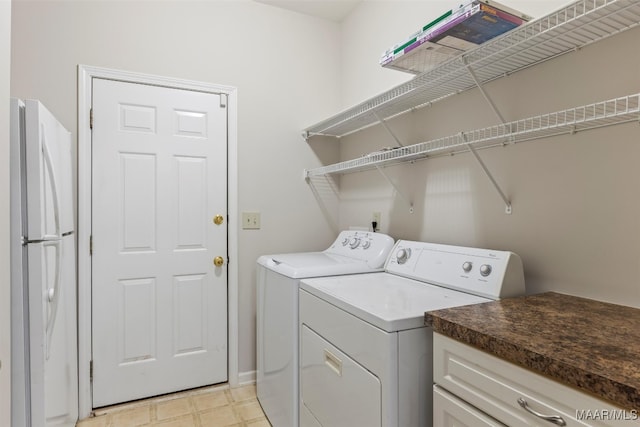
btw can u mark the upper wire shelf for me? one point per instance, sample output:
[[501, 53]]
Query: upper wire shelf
[[600, 114], [572, 27]]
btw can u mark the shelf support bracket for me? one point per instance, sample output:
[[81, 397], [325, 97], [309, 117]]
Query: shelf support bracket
[[388, 129], [482, 91], [486, 171], [396, 188]]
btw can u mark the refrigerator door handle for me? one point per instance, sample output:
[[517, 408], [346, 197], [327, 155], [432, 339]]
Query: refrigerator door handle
[[53, 295], [54, 186]]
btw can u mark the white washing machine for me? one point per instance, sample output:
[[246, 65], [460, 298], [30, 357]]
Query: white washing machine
[[365, 355], [278, 278]]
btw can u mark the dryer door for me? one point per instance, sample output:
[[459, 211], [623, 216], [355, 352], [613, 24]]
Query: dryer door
[[335, 388]]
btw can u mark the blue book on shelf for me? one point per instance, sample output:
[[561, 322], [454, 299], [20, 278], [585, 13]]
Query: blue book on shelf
[[478, 28]]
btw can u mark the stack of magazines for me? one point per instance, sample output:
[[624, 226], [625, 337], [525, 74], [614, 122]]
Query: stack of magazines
[[455, 31]]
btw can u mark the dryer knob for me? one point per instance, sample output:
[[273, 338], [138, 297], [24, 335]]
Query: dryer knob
[[355, 242], [366, 244], [403, 255], [485, 270], [345, 241], [467, 266]]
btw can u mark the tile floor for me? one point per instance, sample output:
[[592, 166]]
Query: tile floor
[[207, 407]]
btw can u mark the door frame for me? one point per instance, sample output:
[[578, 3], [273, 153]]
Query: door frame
[[85, 75]]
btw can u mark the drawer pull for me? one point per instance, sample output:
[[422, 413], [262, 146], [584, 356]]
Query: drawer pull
[[333, 362], [553, 419]]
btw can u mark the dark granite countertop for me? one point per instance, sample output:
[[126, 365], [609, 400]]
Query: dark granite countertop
[[587, 344]]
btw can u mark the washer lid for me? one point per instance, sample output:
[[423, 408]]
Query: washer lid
[[314, 264], [387, 301]]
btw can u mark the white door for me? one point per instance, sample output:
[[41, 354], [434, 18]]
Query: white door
[[159, 303]]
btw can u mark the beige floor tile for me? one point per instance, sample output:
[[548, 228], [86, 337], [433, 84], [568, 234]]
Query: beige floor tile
[[222, 407], [249, 411], [243, 393], [219, 417], [210, 400], [173, 408], [107, 410], [94, 422], [185, 421], [132, 417]]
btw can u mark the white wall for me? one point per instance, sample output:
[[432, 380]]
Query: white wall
[[5, 296], [282, 63], [575, 210]]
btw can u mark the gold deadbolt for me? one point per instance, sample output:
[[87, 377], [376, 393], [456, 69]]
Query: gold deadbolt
[[218, 261], [218, 219]]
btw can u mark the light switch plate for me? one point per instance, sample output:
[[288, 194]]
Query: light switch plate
[[250, 220]]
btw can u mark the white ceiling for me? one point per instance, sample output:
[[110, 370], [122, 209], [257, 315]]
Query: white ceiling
[[334, 10]]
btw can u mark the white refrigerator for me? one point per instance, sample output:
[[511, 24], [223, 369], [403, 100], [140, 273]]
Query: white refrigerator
[[43, 271]]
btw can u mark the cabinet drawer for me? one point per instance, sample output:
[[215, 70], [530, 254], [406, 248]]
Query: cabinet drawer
[[452, 412], [494, 386]]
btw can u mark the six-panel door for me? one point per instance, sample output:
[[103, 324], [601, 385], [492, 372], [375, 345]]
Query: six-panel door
[[159, 178]]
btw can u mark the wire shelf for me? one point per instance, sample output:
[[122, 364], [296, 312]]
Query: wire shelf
[[600, 114], [576, 25]]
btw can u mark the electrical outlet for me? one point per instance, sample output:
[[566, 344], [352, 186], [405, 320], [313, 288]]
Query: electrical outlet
[[375, 217], [250, 220]]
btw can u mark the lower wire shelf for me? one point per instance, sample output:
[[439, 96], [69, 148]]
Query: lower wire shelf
[[606, 113]]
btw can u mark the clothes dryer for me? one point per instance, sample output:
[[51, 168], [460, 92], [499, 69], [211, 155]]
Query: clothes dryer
[[278, 277], [366, 354]]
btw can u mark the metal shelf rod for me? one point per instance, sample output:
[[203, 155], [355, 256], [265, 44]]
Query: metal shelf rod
[[395, 187], [483, 92], [388, 129], [486, 171]]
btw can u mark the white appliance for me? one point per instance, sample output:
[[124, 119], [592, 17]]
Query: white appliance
[[43, 278], [278, 278], [365, 355]]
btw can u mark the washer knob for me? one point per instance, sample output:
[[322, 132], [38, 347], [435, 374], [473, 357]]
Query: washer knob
[[403, 255], [345, 241], [485, 270], [366, 244], [354, 243], [467, 266]]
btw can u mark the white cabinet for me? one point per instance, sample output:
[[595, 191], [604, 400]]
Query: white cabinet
[[478, 389]]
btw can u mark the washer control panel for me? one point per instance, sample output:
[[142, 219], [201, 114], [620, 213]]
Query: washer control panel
[[362, 245], [483, 272]]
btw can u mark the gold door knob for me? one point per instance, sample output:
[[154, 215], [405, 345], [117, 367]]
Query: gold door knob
[[218, 261], [218, 219]]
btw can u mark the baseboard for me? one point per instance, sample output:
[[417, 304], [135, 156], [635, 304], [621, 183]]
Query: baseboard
[[246, 378]]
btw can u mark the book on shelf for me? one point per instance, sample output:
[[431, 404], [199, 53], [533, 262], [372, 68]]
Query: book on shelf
[[453, 32]]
